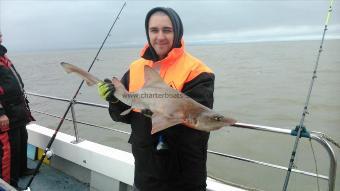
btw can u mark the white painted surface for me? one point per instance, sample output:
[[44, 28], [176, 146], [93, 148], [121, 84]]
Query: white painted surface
[[108, 161], [114, 163]]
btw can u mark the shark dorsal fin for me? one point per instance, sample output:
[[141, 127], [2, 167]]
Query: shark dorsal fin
[[151, 76]]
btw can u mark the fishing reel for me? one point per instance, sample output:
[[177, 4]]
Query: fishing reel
[[49, 153], [27, 189]]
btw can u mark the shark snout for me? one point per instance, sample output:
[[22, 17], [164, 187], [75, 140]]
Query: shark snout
[[229, 121]]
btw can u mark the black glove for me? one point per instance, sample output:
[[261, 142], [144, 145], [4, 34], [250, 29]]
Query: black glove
[[106, 90], [147, 112]]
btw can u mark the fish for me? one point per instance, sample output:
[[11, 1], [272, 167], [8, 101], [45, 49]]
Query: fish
[[168, 106]]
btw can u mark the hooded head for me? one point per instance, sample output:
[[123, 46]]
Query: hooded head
[[3, 49], [177, 29]]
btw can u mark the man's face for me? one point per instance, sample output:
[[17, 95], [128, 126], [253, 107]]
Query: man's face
[[161, 34]]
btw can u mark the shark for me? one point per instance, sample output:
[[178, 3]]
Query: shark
[[168, 106]]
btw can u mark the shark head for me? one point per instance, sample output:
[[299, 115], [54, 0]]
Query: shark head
[[208, 121]]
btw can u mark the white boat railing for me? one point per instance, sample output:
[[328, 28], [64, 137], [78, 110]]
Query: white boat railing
[[312, 135]]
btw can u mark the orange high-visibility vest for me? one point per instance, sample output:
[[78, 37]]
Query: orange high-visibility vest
[[178, 68]]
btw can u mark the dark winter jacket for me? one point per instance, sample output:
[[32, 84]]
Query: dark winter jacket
[[12, 98]]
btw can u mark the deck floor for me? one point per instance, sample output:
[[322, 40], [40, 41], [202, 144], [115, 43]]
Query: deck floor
[[52, 180]]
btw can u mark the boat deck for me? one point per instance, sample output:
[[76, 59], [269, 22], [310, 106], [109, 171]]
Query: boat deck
[[52, 179]]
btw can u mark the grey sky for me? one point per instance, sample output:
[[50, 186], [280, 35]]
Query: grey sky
[[46, 24]]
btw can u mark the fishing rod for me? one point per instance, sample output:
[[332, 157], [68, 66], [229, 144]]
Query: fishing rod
[[300, 129], [47, 151]]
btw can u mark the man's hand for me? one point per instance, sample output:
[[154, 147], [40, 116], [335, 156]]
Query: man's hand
[[106, 90], [4, 121]]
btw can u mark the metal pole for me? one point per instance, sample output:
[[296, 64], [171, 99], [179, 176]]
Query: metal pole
[[74, 120], [332, 162]]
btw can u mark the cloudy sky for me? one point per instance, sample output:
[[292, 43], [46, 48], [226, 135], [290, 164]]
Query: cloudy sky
[[73, 24]]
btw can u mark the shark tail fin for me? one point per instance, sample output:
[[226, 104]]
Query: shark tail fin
[[86, 76]]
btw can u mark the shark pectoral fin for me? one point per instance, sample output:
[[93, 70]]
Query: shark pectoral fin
[[126, 111], [160, 122], [192, 123]]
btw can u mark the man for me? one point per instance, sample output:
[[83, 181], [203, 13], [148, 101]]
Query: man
[[183, 165], [14, 116]]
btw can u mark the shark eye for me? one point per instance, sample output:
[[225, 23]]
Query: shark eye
[[217, 118]]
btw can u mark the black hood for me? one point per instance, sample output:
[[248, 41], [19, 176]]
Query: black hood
[[176, 25], [3, 50]]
